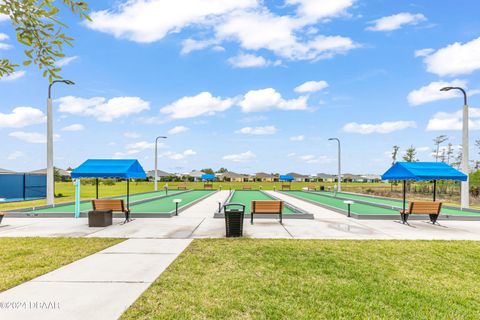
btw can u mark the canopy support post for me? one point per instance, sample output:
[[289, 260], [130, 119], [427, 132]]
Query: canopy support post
[[404, 194], [434, 190], [96, 187], [128, 194]]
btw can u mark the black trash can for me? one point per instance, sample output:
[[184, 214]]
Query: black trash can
[[234, 215], [322, 188]]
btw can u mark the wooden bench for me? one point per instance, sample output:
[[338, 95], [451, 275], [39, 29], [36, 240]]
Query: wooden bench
[[115, 205], [182, 186], [422, 207], [286, 187], [208, 186], [247, 187], [266, 207], [312, 187]]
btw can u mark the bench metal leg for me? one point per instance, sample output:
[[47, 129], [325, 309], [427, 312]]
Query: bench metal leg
[[251, 218], [404, 217], [281, 222], [433, 218]]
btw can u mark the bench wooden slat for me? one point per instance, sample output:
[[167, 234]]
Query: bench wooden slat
[[267, 206], [116, 205], [247, 187], [417, 207]]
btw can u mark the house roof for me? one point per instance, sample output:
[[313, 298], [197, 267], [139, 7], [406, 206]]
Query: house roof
[[423, 171], [229, 174], [62, 172], [326, 176], [264, 175], [109, 168], [160, 173], [297, 175], [6, 171]]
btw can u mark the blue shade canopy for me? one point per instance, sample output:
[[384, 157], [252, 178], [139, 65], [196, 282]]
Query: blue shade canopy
[[208, 177], [286, 178], [110, 168], [421, 171]]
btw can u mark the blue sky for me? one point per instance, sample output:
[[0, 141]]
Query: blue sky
[[249, 85]]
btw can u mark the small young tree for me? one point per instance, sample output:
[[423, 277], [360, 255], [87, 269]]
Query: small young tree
[[395, 153], [410, 155], [449, 152], [438, 141]]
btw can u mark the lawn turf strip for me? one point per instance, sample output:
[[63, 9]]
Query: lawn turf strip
[[317, 279], [23, 259]]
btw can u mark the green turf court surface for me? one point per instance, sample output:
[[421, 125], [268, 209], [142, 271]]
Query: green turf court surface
[[326, 199], [317, 279], [246, 197], [398, 203], [167, 205], [87, 206]]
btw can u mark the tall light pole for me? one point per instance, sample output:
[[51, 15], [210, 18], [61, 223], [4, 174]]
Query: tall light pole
[[50, 170], [465, 188], [339, 164], [156, 160]]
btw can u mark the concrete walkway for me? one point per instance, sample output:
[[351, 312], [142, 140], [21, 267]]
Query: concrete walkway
[[100, 286]]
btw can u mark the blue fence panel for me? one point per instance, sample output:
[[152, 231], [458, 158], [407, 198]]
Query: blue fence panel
[[22, 186]]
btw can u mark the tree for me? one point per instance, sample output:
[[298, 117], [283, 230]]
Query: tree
[[458, 159], [449, 152], [222, 170], [394, 154], [37, 26], [208, 171], [410, 155], [438, 141]]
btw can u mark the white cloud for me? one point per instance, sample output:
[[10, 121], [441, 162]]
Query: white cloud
[[178, 129], [269, 98], [190, 45], [178, 156], [248, 22], [261, 29], [4, 36], [142, 145], [32, 137], [431, 92], [14, 76], [384, 127], [311, 86], [309, 158], [15, 155], [65, 61], [22, 117], [455, 59], [422, 149], [149, 21], [297, 138], [241, 157], [444, 121], [251, 61], [423, 52], [321, 9], [102, 109], [258, 130], [396, 21], [74, 127], [201, 104], [131, 135]]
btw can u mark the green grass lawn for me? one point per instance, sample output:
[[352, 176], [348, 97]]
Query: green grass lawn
[[22, 259], [315, 279]]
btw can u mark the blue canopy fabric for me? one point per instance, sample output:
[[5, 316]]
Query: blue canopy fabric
[[110, 168], [286, 178], [208, 177], [423, 171]]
